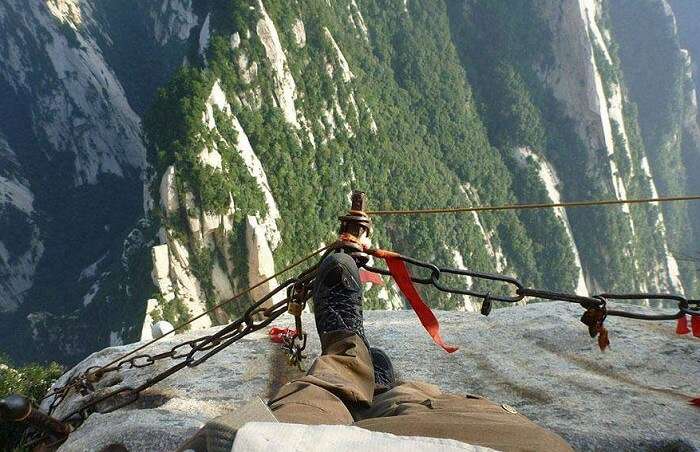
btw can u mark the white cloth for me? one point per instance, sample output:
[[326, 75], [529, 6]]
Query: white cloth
[[267, 436]]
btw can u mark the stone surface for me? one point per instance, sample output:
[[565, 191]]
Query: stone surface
[[344, 66], [161, 328], [193, 220], [221, 282], [168, 192], [161, 261], [210, 157], [173, 275], [146, 330], [538, 359], [261, 264], [285, 87], [299, 33]]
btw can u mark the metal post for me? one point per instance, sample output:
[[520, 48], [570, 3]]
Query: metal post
[[356, 222], [17, 408]]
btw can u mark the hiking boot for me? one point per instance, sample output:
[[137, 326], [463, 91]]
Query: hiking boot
[[383, 369], [338, 296]]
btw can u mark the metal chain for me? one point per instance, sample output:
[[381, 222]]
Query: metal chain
[[83, 383], [190, 353], [597, 302]]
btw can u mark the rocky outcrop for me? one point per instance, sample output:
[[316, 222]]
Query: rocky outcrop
[[356, 20], [77, 77], [71, 120], [256, 170], [583, 79], [551, 182], [494, 250], [345, 71], [588, 100], [261, 264], [299, 33], [573, 77], [538, 359], [20, 245], [211, 233], [285, 89]]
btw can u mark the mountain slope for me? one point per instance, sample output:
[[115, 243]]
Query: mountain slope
[[229, 135], [76, 166]]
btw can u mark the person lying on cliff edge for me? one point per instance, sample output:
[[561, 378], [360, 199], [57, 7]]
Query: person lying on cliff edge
[[353, 384]]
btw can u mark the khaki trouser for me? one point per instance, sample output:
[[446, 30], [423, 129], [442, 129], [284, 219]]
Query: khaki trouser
[[339, 389]]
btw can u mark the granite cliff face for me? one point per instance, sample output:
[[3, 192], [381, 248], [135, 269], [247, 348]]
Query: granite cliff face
[[160, 158], [73, 164]]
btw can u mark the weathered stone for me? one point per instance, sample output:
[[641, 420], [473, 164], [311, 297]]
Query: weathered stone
[[161, 268], [235, 40], [210, 157], [168, 192], [193, 217], [247, 70], [344, 66], [285, 87], [256, 170], [185, 285], [210, 222], [161, 328], [146, 333], [221, 283], [227, 218], [299, 33], [161, 261], [538, 359], [261, 264]]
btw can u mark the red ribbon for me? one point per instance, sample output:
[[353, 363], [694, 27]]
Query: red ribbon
[[695, 325], [401, 275], [682, 325], [278, 335]]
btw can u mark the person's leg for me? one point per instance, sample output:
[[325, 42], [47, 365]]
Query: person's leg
[[421, 409], [342, 376]]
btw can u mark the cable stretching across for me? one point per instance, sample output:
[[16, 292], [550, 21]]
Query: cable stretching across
[[603, 202]]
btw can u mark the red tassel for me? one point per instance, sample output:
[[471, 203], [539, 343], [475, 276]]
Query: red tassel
[[695, 325], [682, 326], [695, 402], [402, 277]]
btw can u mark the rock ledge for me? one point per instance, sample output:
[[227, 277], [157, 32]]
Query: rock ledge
[[538, 359]]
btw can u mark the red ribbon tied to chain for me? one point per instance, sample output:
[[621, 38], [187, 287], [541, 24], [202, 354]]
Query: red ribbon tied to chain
[[401, 275], [682, 325], [278, 335]]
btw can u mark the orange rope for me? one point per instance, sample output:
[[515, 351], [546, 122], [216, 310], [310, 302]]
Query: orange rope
[[532, 206]]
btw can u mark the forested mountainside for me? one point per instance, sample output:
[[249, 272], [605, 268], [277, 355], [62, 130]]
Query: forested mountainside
[[178, 151]]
